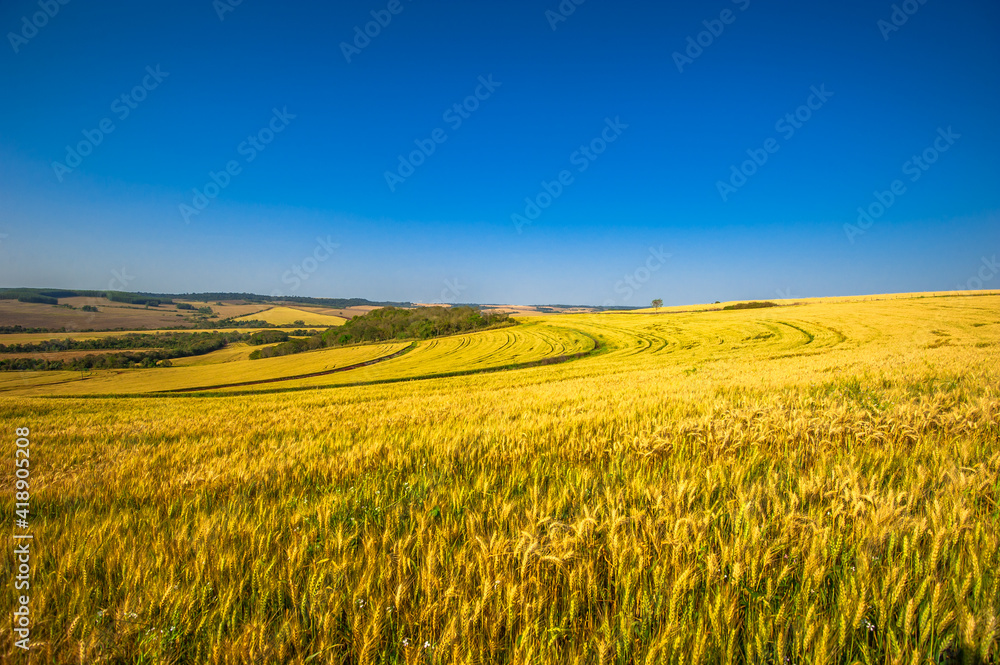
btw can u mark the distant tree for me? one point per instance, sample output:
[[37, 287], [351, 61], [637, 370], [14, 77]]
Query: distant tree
[[88, 308], [750, 305], [44, 300], [268, 337], [389, 323], [657, 304]]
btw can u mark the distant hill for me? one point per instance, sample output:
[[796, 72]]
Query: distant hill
[[51, 296]]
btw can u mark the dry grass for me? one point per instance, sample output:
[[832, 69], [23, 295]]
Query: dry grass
[[120, 316], [110, 316]]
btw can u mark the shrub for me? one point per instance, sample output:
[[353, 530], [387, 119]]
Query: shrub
[[43, 300], [751, 305], [268, 337]]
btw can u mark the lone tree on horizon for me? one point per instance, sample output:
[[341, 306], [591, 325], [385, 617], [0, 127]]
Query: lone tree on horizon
[[657, 304]]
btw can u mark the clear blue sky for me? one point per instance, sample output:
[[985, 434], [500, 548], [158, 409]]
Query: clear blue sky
[[445, 230]]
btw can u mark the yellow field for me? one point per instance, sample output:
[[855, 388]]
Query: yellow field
[[806, 484], [490, 349], [530, 342], [234, 352], [802, 301], [287, 316], [225, 366]]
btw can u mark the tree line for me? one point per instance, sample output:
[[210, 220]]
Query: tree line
[[51, 296], [393, 323], [139, 350]]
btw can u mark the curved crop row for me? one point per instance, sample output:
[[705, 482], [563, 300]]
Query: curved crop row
[[520, 345], [746, 345], [202, 376]]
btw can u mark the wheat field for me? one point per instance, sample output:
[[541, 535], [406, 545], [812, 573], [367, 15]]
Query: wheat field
[[287, 316], [803, 484]]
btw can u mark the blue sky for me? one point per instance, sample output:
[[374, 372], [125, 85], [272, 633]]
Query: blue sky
[[655, 212]]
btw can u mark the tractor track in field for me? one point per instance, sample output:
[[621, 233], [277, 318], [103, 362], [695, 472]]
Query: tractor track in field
[[257, 382], [551, 360], [597, 348]]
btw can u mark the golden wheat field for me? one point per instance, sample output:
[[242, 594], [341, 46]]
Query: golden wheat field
[[807, 484], [287, 316]]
